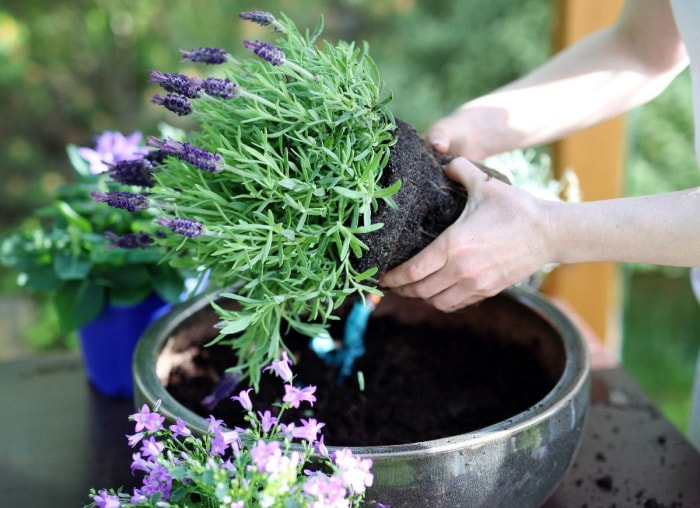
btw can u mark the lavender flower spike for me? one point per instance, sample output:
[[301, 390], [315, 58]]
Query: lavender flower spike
[[181, 226], [199, 158], [173, 102], [140, 240], [217, 87], [137, 172], [266, 51], [212, 56], [121, 199], [177, 83], [262, 18]]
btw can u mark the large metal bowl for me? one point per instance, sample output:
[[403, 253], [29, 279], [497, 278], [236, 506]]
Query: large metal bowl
[[517, 462]]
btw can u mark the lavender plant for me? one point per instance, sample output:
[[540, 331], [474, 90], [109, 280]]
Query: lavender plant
[[277, 183], [268, 463]]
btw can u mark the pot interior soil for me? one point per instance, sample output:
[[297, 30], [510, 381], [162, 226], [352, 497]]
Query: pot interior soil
[[427, 375]]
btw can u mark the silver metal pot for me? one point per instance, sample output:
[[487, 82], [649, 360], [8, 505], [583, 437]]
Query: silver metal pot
[[518, 462]]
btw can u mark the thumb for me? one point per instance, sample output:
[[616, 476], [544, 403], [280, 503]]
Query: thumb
[[438, 138], [464, 172]]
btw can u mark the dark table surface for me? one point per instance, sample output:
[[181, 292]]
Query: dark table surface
[[58, 438]]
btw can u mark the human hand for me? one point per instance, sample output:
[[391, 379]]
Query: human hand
[[471, 131], [448, 136], [500, 239]]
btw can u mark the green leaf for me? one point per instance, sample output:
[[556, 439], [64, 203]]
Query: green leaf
[[127, 284], [237, 324], [168, 282], [71, 267], [81, 166], [40, 278], [317, 31], [77, 303], [347, 193], [388, 191], [131, 295], [73, 217]]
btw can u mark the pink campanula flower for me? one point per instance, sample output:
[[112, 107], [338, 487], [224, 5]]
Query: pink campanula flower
[[105, 500], [244, 399], [309, 430], [282, 367], [179, 428], [148, 420], [355, 471], [294, 395], [267, 421]]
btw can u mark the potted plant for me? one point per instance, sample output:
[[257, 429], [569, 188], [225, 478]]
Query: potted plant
[[265, 463], [74, 250], [299, 182], [296, 191]]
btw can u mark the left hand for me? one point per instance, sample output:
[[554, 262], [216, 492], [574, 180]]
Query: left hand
[[500, 239]]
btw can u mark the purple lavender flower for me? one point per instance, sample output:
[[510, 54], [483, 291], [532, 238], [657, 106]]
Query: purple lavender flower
[[155, 157], [262, 18], [182, 226], [199, 158], [178, 104], [110, 148], [139, 240], [121, 199], [222, 389], [210, 56], [177, 83], [266, 51], [218, 87], [137, 172]]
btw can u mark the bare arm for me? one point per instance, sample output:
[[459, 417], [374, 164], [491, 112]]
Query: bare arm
[[603, 75], [506, 234]]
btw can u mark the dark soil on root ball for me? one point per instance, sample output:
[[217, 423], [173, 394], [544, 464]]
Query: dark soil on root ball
[[427, 202]]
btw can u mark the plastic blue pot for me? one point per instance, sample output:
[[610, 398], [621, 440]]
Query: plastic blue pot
[[108, 343]]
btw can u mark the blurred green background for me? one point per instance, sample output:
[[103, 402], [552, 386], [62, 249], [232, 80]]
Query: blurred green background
[[70, 70]]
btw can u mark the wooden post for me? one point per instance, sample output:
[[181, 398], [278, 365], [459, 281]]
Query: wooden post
[[597, 156]]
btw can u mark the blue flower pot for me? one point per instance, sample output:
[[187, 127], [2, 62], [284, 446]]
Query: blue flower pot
[[108, 343]]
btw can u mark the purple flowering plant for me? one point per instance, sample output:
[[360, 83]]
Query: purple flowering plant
[[273, 188], [83, 253], [268, 463]]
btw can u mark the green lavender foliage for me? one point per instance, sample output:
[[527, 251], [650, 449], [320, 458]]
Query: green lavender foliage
[[303, 146]]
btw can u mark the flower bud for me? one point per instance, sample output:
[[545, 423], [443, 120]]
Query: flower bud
[[210, 56]]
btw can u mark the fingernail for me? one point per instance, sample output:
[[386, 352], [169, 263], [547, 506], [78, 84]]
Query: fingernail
[[437, 142]]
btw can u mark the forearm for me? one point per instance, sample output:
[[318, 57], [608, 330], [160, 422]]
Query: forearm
[[660, 229], [603, 75]]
